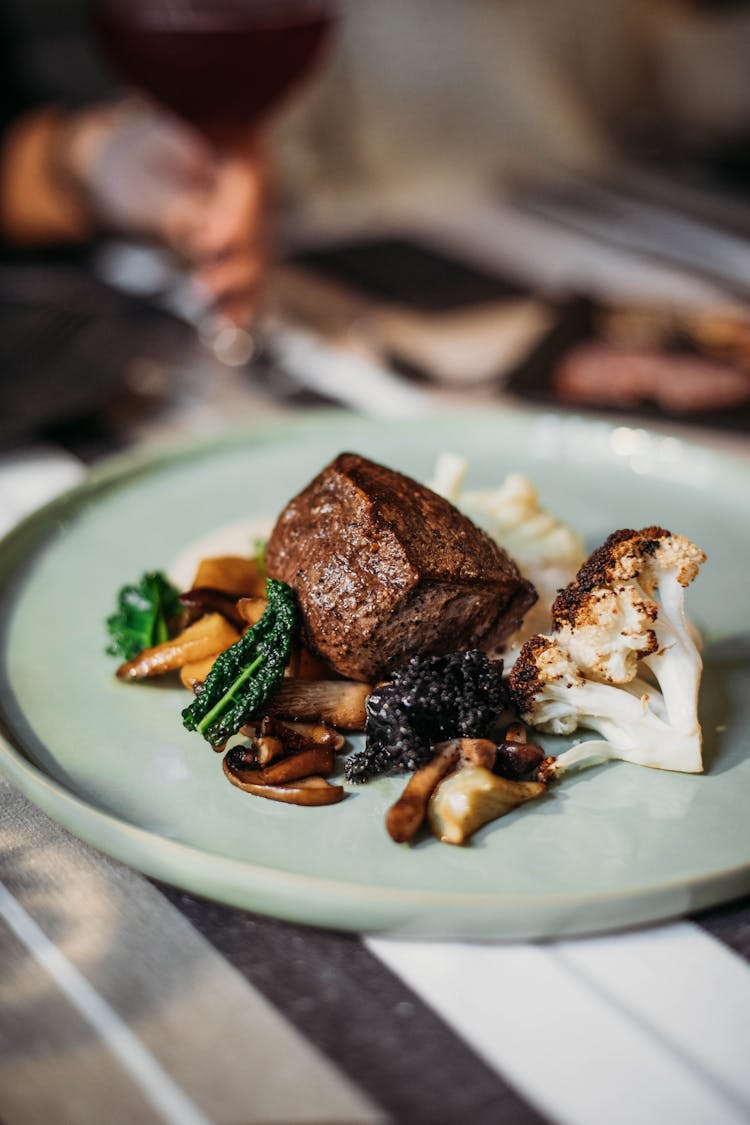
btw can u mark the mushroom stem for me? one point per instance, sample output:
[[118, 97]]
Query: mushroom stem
[[405, 818]]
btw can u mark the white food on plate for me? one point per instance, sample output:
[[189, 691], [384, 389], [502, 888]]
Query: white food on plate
[[547, 551]]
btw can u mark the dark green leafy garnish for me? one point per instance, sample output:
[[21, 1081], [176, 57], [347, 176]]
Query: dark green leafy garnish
[[143, 615], [243, 677]]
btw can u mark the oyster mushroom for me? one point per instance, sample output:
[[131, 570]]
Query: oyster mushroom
[[337, 703], [473, 796]]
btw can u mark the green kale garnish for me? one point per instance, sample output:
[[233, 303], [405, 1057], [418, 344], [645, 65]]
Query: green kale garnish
[[143, 615], [243, 677]]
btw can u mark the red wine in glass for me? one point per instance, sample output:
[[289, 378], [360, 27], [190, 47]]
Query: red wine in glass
[[221, 65]]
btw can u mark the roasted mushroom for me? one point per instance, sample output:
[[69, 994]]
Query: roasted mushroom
[[515, 756], [339, 703], [308, 790], [205, 638], [405, 818], [473, 796]]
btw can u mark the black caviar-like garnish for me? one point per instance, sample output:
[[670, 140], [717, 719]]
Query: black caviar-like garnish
[[431, 699]]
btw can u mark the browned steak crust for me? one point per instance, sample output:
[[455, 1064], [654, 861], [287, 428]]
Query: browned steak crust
[[385, 569]]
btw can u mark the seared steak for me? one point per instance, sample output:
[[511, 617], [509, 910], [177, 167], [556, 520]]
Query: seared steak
[[385, 569]]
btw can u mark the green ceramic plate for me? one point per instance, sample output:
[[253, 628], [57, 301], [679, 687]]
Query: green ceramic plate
[[614, 846]]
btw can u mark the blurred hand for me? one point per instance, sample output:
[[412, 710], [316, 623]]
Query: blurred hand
[[147, 175]]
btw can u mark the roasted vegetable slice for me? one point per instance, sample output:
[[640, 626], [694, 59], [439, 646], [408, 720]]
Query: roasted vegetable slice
[[205, 639], [233, 574], [319, 761], [192, 675], [250, 610], [405, 818], [310, 791], [516, 760], [297, 736], [338, 703], [205, 599]]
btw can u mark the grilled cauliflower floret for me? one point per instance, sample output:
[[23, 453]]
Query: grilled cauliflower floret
[[606, 630], [553, 696], [540, 684], [627, 603], [622, 618]]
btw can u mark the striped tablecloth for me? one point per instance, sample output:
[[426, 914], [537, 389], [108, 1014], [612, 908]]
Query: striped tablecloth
[[122, 1000]]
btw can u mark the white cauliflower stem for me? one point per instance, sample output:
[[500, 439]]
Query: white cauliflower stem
[[622, 618]]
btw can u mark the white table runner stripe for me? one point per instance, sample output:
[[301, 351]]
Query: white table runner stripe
[[590, 1031], [684, 986]]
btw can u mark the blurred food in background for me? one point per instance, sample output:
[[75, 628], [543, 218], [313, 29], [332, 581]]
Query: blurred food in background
[[688, 365], [425, 311], [409, 194]]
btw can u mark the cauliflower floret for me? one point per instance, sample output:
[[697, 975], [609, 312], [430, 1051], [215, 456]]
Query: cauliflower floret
[[627, 603], [624, 613], [540, 684], [512, 513], [552, 695], [448, 479], [606, 630]]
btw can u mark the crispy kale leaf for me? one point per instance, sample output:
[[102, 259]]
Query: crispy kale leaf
[[143, 614], [243, 677]]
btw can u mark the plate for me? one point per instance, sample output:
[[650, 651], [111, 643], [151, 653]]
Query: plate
[[613, 846]]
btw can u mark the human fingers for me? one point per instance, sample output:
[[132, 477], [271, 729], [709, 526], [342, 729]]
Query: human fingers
[[234, 284], [177, 155], [234, 215], [143, 171], [239, 308], [181, 224]]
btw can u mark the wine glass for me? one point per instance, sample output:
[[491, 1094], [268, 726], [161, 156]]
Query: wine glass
[[222, 66]]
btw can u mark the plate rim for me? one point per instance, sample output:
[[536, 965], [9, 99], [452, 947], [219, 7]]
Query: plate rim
[[409, 911]]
